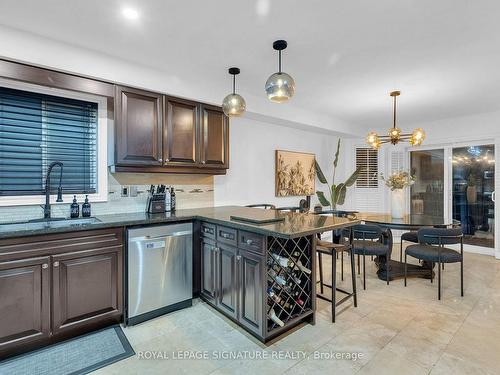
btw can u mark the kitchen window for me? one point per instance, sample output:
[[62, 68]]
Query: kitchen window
[[42, 125]]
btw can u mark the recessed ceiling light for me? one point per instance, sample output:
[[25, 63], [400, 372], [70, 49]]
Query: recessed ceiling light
[[130, 13]]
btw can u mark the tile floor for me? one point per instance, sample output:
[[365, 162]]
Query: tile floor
[[396, 330]]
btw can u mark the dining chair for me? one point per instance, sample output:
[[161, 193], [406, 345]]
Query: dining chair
[[369, 239], [409, 237], [432, 248], [265, 206], [332, 249]]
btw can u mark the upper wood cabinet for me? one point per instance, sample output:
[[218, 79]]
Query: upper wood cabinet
[[214, 138], [138, 127], [180, 137], [159, 133]]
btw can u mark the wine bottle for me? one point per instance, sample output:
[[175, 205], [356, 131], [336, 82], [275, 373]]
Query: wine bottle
[[300, 266], [299, 302], [275, 319]]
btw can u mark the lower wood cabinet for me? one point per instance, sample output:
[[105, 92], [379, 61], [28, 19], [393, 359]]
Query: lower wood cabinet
[[233, 280], [74, 286], [24, 303], [208, 270], [85, 288], [251, 273], [227, 274]]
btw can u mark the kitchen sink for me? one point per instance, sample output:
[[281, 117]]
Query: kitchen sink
[[55, 222]]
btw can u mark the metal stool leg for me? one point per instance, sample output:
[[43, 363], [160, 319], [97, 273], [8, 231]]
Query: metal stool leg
[[334, 286], [432, 272], [401, 252], [353, 278], [342, 265], [320, 262]]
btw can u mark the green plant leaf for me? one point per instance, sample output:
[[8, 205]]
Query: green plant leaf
[[333, 193], [336, 160], [352, 179], [324, 202], [319, 173], [341, 192]]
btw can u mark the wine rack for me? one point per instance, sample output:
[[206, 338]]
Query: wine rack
[[289, 281]]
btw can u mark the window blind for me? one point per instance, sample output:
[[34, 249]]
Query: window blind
[[367, 158], [37, 129]]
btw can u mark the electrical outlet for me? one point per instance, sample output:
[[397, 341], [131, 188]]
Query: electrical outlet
[[125, 191]]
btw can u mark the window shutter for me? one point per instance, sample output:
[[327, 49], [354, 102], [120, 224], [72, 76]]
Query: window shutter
[[37, 129], [367, 158]]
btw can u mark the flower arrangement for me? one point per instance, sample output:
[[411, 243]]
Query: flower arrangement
[[399, 180]]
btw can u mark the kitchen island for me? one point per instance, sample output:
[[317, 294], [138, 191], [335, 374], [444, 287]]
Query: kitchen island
[[65, 278]]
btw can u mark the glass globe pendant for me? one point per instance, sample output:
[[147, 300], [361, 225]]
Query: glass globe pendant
[[233, 104], [280, 86]]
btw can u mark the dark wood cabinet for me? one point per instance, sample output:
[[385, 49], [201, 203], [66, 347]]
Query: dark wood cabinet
[[139, 127], [24, 304], [233, 279], [160, 133], [181, 135], [85, 288], [250, 280], [208, 270], [227, 272], [214, 138], [57, 286]]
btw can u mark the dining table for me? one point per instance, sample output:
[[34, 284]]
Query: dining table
[[406, 223]]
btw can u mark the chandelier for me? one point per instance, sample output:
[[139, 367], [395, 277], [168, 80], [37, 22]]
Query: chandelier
[[395, 136]]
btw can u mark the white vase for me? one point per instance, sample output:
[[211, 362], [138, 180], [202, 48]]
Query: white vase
[[397, 203]]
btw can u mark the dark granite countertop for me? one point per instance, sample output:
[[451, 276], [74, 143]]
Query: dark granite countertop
[[293, 225]]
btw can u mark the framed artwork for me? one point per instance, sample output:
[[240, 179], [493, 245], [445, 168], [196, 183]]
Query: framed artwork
[[294, 174]]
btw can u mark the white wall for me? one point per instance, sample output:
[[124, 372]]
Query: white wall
[[250, 178]]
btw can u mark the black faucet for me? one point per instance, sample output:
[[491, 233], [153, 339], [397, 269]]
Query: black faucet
[[46, 208]]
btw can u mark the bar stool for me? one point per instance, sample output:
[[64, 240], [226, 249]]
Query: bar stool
[[329, 248], [265, 206]]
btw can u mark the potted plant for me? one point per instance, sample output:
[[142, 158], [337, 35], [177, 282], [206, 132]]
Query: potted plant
[[397, 182], [336, 192]]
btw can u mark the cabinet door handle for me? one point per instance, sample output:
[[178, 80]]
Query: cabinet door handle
[[249, 242], [216, 249], [167, 160], [160, 160], [45, 266], [238, 257], [203, 162], [56, 264]]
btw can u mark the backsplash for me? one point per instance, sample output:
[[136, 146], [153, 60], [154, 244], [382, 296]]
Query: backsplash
[[191, 191]]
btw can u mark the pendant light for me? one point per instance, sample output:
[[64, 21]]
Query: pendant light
[[280, 87], [234, 105], [394, 136]]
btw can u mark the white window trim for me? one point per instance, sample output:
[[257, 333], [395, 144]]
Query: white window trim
[[102, 155]]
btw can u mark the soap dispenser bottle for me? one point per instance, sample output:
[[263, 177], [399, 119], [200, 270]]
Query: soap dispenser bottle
[[75, 208], [86, 207]]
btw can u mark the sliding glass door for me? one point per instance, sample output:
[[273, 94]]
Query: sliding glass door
[[427, 194], [458, 183], [473, 184]]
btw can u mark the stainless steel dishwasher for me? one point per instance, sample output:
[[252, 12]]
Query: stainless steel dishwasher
[[160, 270]]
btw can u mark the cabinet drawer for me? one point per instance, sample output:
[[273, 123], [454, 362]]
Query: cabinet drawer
[[251, 241], [208, 230], [227, 235]]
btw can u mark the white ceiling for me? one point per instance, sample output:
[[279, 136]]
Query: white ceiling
[[345, 56]]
